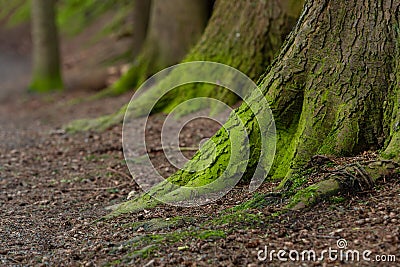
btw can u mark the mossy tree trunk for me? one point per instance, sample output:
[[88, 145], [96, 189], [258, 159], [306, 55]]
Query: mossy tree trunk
[[247, 37], [174, 27], [244, 34], [141, 15], [333, 89], [46, 75]]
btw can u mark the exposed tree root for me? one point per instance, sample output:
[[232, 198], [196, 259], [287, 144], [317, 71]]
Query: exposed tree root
[[98, 124], [352, 178], [348, 179]]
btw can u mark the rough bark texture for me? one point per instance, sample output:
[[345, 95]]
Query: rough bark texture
[[174, 27], [334, 89], [46, 74], [331, 89]]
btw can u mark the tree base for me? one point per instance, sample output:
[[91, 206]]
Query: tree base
[[298, 192], [46, 85]]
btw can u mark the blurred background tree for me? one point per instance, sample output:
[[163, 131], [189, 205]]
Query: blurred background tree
[[46, 74]]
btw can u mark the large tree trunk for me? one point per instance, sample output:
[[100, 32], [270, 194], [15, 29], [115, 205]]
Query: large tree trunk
[[334, 89], [338, 76], [174, 27], [46, 57]]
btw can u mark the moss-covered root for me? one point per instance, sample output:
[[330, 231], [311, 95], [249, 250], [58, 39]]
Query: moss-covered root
[[352, 179], [392, 151], [130, 80], [97, 124], [133, 206]]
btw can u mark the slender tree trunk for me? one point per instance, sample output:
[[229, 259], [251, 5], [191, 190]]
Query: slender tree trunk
[[333, 89], [174, 27], [46, 74], [141, 15]]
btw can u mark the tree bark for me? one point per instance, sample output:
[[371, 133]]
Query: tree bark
[[46, 74], [333, 89], [141, 15]]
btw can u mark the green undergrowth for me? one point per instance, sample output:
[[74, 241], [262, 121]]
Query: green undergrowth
[[259, 201], [15, 12], [156, 224], [72, 15], [180, 232], [146, 245]]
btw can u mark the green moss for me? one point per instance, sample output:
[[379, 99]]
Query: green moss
[[133, 205], [146, 245], [211, 234], [258, 201], [16, 12], [75, 15], [337, 199], [285, 147], [46, 84], [295, 183], [305, 196], [129, 81], [310, 195], [158, 224], [143, 252], [392, 150], [97, 124], [72, 15]]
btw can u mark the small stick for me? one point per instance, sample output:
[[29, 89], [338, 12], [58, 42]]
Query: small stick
[[120, 173], [96, 189]]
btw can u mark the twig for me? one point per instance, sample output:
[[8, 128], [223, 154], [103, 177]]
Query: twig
[[120, 173], [13, 260], [96, 189]]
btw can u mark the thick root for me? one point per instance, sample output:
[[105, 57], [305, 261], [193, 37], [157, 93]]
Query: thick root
[[98, 124], [351, 179]]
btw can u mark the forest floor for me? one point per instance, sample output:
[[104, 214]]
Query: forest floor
[[55, 186]]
